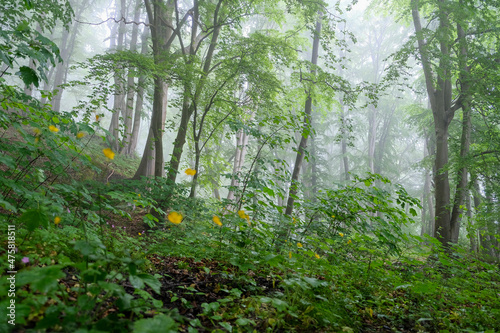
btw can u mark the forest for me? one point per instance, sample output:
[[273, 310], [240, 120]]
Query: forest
[[249, 166]]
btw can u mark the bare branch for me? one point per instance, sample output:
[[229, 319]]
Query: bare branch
[[122, 19]]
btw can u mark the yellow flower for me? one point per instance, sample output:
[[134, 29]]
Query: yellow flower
[[57, 220], [290, 254], [37, 140], [241, 213], [108, 153], [217, 221], [333, 216], [299, 244], [37, 131], [140, 234], [190, 172], [349, 241], [294, 220], [317, 255], [96, 117], [80, 135], [54, 129], [174, 217], [341, 234]]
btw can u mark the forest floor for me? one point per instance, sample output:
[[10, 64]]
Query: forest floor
[[361, 294], [88, 262]]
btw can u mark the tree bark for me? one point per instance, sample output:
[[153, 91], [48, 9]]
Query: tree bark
[[160, 18], [129, 105], [139, 101], [465, 139], [306, 129], [440, 98], [66, 48], [119, 97], [189, 99]]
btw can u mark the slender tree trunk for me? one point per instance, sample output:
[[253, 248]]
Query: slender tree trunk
[[189, 100], [465, 139], [426, 194], [314, 169], [129, 106], [239, 160], [472, 232], [372, 137], [139, 101], [119, 97], [306, 126]]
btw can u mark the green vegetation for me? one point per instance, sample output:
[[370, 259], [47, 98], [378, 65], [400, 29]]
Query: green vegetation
[[88, 261], [97, 239]]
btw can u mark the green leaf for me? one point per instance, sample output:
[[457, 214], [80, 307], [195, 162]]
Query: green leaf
[[41, 279], [33, 218], [160, 323], [136, 281], [413, 212], [151, 281], [227, 326], [279, 304], [28, 75], [28, 4], [268, 191], [7, 205]]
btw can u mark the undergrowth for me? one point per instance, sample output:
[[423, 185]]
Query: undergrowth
[[91, 254]]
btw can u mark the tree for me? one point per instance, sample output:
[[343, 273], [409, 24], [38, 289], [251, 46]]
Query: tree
[[17, 32], [162, 34], [445, 57], [306, 130]]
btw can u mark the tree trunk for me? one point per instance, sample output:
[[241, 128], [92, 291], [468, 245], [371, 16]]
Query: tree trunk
[[239, 160], [465, 139], [306, 126], [372, 137], [139, 101], [440, 98], [189, 100], [129, 106], [119, 97], [160, 18]]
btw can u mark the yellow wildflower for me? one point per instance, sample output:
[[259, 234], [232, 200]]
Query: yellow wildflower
[[333, 216], [108, 153], [174, 217], [294, 220], [317, 255], [96, 117], [37, 131], [140, 234], [290, 254], [37, 140], [54, 129], [341, 234], [217, 221], [80, 135], [190, 172], [241, 213], [57, 220], [349, 241], [299, 244]]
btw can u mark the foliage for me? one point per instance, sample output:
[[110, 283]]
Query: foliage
[[95, 251]]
